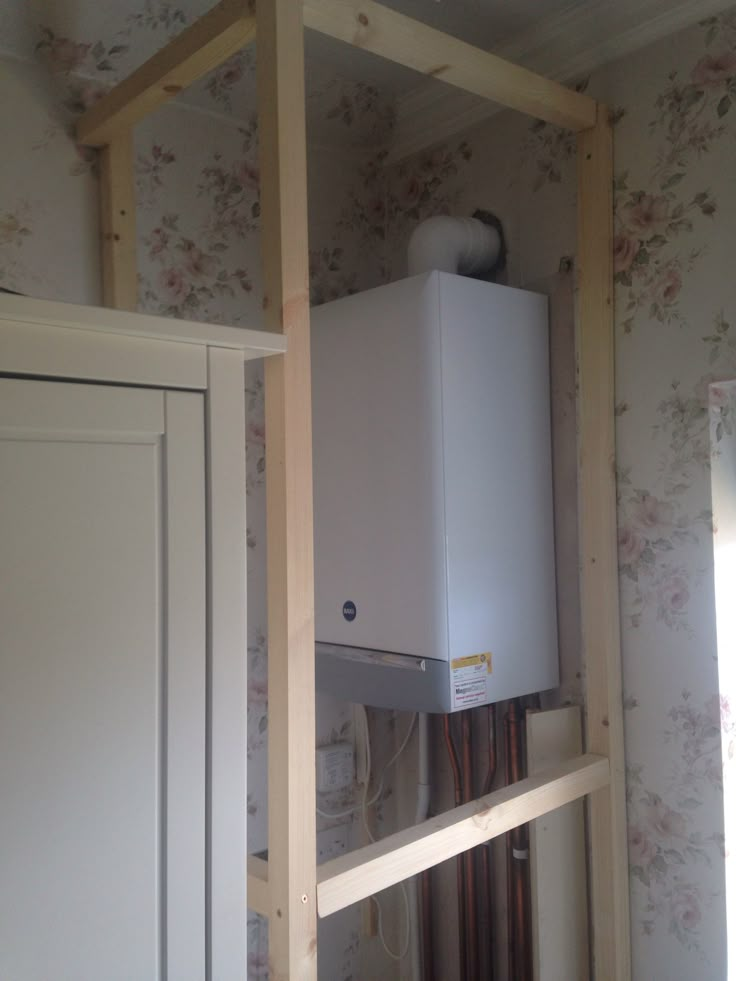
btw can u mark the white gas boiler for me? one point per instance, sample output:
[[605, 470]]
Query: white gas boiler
[[434, 550]]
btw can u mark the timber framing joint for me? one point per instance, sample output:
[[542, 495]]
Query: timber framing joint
[[279, 889]]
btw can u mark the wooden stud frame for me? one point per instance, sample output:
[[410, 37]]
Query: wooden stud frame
[[287, 889]]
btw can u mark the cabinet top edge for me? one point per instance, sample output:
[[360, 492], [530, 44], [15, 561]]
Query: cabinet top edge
[[254, 343]]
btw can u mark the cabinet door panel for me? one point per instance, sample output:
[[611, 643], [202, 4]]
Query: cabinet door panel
[[90, 684], [186, 642]]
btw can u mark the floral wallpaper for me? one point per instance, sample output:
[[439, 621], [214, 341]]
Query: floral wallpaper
[[198, 217], [675, 301]]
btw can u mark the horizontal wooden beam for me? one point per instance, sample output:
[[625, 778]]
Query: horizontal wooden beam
[[361, 873], [202, 47], [258, 895], [408, 42]]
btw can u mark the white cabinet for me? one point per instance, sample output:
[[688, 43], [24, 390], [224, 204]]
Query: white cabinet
[[122, 654], [102, 681]]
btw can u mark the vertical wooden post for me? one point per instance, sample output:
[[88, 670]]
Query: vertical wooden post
[[227, 795], [291, 728], [599, 565], [117, 223]]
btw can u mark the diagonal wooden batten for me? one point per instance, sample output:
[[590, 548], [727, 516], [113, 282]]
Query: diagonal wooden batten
[[409, 42], [199, 49], [363, 872]]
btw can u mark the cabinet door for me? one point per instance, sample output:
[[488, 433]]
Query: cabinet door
[[102, 683]]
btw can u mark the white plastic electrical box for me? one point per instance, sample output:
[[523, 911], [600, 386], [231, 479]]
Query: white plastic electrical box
[[335, 767], [434, 552]]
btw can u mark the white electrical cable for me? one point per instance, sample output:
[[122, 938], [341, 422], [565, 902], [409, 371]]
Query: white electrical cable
[[357, 807], [364, 810], [405, 949], [403, 746], [332, 815]]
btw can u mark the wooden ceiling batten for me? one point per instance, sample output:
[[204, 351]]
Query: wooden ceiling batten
[[373, 27]]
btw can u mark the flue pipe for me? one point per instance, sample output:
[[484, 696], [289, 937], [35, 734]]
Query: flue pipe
[[467, 246]]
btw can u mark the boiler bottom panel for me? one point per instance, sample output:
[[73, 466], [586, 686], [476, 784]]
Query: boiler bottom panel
[[412, 684]]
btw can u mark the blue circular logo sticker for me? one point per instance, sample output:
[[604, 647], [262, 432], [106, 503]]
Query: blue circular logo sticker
[[349, 611]]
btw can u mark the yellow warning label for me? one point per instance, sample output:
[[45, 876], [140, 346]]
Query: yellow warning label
[[473, 660]]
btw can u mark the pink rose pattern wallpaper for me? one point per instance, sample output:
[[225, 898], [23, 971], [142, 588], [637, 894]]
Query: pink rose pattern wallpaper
[[197, 181], [675, 149], [672, 230]]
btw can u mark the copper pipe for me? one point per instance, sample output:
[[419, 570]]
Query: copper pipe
[[485, 863], [458, 780], [427, 932], [485, 933], [471, 912], [492, 751], [510, 918], [517, 866], [467, 756], [454, 760]]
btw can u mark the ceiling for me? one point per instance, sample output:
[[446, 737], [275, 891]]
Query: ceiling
[[485, 23]]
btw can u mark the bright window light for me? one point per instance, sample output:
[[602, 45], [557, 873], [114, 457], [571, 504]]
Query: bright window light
[[723, 397]]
